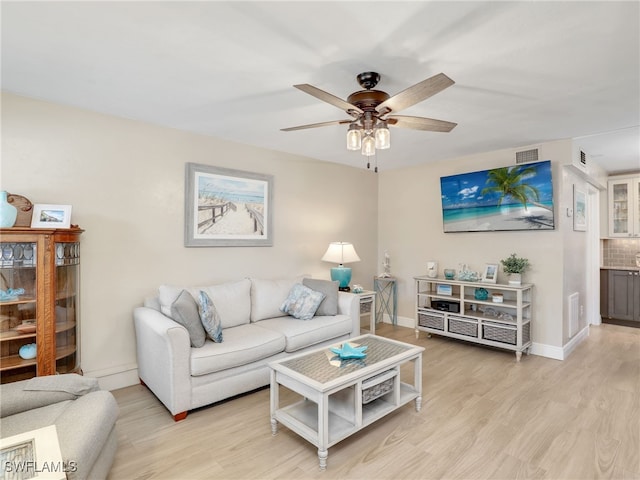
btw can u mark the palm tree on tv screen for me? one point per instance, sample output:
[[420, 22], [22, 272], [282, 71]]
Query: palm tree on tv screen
[[508, 181]]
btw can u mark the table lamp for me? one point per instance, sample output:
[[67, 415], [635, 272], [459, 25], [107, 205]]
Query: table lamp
[[341, 253]]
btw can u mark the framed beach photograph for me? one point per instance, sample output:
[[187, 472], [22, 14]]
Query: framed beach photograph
[[518, 197], [226, 207], [490, 274], [51, 216], [579, 210]]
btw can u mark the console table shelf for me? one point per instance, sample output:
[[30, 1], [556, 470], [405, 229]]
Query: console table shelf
[[450, 308]]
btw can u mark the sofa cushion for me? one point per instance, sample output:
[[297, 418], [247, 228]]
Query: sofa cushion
[[243, 344], [329, 305], [232, 300], [209, 317], [185, 312], [302, 302], [304, 334], [267, 297]]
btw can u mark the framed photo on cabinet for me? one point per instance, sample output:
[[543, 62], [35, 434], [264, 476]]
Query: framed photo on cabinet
[[51, 216]]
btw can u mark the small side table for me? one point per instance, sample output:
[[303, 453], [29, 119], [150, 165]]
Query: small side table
[[386, 288], [368, 307]]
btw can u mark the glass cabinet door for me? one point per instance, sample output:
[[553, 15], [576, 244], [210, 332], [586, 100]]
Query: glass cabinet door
[[66, 306], [18, 283], [624, 207], [620, 208]]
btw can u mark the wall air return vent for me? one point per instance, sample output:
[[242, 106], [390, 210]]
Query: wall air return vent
[[583, 159], [527, 156]]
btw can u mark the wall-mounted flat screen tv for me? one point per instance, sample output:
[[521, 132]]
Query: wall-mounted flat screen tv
[[508, 198]]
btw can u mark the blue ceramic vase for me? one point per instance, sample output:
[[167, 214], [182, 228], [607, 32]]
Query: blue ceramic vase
[[8, 213]]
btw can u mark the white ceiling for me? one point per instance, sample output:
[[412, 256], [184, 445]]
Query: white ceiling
[[525, 72]]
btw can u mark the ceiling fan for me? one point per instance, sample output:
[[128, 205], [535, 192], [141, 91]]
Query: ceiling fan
[[373, 110]]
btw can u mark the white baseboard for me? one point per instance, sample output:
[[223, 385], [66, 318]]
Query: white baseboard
[[116, 377], [402, 321], [549, 351], [577, 339]]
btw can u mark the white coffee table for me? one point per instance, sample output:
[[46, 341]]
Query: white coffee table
[[340, 397]]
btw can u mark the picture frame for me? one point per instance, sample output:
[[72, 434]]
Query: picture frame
[[227, 208], [442, 289], [510, 198], [34, 454], [579, 209], [490, 274], [51, 216]]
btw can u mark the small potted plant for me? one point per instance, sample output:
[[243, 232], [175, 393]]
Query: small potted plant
[[514, 267]]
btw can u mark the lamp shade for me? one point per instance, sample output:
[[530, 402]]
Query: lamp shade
[[341, 253]]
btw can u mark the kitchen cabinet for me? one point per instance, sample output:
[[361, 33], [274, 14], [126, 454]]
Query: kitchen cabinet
[[621, 295], [624, 206]]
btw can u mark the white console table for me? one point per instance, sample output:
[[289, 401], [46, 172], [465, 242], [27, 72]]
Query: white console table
[[504, 325]]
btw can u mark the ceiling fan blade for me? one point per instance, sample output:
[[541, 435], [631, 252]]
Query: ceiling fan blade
[[415, 94], [329, 98], [314, 125], [420, 123]]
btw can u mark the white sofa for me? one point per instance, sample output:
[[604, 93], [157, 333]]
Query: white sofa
[[255, 332]]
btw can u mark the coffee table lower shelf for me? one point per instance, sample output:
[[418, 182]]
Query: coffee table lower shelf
[[302, 416]]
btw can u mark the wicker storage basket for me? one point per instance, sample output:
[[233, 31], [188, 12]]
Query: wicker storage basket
[[365, 307], [463, 326], [369, 394], [526, 333], [498, 332], [431, 320]]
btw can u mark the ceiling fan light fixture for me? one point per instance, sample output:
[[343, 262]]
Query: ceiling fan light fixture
[[368, 146], [383, 137], [354, 137]]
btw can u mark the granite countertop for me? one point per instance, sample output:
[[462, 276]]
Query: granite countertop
[[632, 269]]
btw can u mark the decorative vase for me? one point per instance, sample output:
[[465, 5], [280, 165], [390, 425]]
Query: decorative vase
[[8, 213], [481, 294], [515, 279], [27, 351]]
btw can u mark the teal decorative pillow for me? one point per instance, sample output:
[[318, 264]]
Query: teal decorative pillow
[[184, 310], [209, 317], [328, 306], [302, 302]]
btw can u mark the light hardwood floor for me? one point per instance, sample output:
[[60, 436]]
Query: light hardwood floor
[[483, 416]]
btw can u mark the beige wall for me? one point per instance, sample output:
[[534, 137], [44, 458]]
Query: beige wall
[[125, 181], [410, 229]]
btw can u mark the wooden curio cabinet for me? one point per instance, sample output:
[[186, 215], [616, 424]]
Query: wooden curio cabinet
[[39, 302]]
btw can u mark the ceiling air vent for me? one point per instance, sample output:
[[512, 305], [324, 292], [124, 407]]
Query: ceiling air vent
[[527, 156]]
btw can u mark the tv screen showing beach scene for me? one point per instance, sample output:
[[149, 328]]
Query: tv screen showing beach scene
[[508, 198]]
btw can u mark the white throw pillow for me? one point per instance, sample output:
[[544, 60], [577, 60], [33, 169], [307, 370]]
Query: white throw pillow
[[267, 297], [233, 302]]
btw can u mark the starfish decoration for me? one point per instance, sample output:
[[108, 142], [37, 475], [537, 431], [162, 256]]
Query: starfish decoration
[[349, 351]]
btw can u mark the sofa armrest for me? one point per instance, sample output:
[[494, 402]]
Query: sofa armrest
[[349, 304], [39, 392], [163, 350]]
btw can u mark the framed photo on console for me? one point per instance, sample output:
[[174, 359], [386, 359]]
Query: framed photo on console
[[227, 208], [490, 274]]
